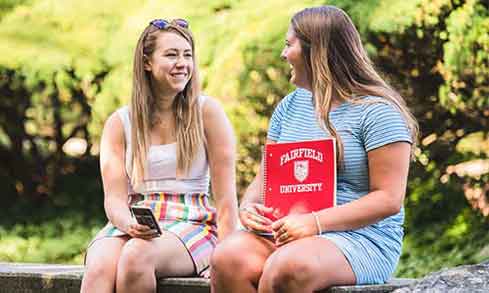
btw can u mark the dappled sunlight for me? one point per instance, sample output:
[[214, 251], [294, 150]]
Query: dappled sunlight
[[75, 147]]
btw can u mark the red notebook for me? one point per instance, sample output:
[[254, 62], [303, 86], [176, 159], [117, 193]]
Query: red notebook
[[299, 177]]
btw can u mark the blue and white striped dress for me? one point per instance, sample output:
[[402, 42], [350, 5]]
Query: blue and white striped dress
[[372, 251]]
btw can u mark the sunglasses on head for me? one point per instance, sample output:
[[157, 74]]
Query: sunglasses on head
[[163, 23]]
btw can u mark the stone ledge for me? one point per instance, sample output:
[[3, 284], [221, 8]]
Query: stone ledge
[[47, 278]]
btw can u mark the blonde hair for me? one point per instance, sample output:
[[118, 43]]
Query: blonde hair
[[186, 110], [338, 66]]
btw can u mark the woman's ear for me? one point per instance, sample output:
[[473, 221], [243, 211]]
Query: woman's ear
[[147, 63]]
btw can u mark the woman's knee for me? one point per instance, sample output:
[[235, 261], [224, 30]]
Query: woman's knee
[[225, 254], [101, 265], [99, 270], [282, 271], [133, 260], [235, 258]]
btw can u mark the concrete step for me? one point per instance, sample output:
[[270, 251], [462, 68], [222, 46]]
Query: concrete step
[[55, 278]]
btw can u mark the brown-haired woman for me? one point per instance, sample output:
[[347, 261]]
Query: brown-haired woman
[[359, 240], [156, 153]]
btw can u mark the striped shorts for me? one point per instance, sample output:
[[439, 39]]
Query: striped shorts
[[189, 216]]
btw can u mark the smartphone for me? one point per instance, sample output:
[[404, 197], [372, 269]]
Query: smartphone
[[144, 216]]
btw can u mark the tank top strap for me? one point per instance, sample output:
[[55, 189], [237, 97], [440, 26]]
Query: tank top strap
[[126, 122], [123, 113], [202, 100]]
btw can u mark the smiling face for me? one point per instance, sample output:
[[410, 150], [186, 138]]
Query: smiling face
[[171, 64], [292, 53]]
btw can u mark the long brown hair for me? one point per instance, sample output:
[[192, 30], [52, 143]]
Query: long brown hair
[[188, 119], [339, 68]]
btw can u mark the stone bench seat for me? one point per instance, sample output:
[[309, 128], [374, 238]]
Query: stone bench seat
[[54, 278]]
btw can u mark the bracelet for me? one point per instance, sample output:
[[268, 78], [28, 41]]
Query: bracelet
[[318, 225]]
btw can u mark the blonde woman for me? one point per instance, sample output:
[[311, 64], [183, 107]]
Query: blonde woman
[[158, 153], [358, 241]]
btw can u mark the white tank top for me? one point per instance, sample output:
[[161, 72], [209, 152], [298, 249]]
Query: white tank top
[[162, 165]]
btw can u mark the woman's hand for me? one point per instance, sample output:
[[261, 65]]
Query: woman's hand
[[136, 230], [293, 227], [252, 216]]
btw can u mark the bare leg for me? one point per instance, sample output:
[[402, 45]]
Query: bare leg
[[237, 262], [306, 265], [101, 266], [141, 260]]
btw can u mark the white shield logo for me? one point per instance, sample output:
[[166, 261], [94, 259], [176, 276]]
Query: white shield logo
[[301, 170]]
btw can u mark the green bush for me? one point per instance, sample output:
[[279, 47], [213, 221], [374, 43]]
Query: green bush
[[63, 240]]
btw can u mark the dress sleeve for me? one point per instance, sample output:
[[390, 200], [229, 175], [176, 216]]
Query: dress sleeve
[[383, 124], [275, 127]]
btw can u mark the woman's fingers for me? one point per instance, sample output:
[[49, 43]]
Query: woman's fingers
[[138, 227], [257, 212], [144, 236], [258, 218], [253, 224], [141, 231], [283, 236], [277, 225], [284, 231], [262, 210], [281, 242], [252, 218], [257, 208], [257, 227]]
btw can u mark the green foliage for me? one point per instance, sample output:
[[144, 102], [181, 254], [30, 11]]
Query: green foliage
[[435, 247], [7, 5], [63, 240], [42, 119], [426, 57], [263, 83], [466, 66]]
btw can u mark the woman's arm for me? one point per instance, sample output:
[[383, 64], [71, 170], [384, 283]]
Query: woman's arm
[[221, 150], [113, 176], [388, 172], [112, 167]]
